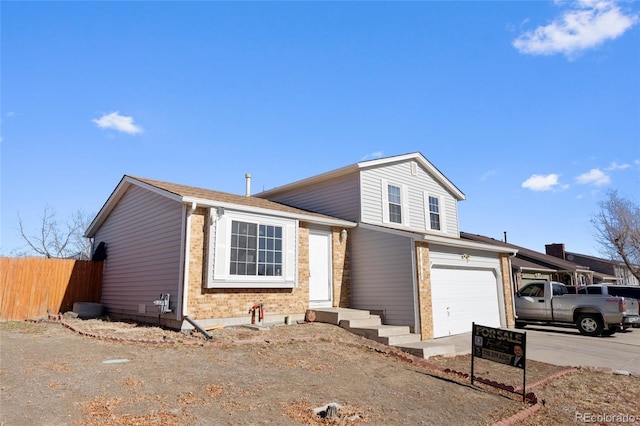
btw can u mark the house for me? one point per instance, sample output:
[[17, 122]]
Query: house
[[408, 261], [529, 265], [213, 256], [604, 270]]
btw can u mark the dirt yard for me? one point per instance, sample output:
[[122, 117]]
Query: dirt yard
[[105, 373]]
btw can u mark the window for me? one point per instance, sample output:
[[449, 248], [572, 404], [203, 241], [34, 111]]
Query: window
[[434, 213], [395, 204], [533, 290], [255, 249], [559, 290], [248, 250], [395, 198]]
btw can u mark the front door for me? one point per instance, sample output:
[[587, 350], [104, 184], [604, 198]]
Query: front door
[[320, 288]]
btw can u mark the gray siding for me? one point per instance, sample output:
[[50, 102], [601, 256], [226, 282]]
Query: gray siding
[[143, 237], [382, 275], [400, 174], [337, 197]]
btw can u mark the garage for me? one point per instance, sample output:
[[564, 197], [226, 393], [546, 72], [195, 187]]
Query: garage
[[461, 296]]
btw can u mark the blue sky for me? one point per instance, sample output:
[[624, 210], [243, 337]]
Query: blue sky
[[532, 109]]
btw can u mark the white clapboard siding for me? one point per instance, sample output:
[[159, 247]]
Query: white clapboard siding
[[416, 184], [337, 197], [382, 275], [143, 238]]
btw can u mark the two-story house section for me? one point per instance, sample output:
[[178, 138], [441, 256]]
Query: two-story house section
[[407, 259]]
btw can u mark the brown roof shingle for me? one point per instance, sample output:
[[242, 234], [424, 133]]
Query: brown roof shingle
[[225, 197]]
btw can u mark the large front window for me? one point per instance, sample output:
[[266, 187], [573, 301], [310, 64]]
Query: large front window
[[255, 249], [249, 250]]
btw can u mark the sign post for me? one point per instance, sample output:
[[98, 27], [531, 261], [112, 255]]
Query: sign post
[[501, 346]]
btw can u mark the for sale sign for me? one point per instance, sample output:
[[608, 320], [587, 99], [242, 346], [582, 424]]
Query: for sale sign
[[498, 345], [503, 346]]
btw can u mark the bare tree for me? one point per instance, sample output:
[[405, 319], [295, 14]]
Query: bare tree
[[59, 240], [617, 227]]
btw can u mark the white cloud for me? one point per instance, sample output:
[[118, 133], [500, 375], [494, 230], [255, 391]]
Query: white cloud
[[372, 156], [594, 177], [588, 24], [486, 175], [616, 166], [118, 122], [542, 183]]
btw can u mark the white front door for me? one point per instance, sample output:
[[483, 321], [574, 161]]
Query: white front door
[[320, 288]]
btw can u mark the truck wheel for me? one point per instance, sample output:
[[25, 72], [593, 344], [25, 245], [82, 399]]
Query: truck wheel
[[589, 324]]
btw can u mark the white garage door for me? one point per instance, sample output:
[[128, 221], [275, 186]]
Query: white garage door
[[461, 297]]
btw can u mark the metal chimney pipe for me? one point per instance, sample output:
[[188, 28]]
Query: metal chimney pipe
[[248, 190]]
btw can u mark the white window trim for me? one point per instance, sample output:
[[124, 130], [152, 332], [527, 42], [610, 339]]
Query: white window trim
[[404, 202], [427, 213], [218, 275]]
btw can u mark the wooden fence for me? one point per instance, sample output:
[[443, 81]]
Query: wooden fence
[[31, 286]]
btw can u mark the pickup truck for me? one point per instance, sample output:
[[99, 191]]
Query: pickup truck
[[549, 302], [630, 317]]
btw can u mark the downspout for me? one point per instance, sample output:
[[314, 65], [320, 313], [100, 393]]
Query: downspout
[[185, 262], [197, 327], [513, 285], [417, 320]]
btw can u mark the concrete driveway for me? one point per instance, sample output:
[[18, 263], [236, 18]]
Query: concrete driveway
[[567, 347]]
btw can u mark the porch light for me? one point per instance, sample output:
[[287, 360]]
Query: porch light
[[343, 236]]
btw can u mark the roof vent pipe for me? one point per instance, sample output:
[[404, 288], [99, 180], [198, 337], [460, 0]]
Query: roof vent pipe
[[248, 190]]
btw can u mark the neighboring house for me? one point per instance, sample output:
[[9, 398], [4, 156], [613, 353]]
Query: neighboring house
[[408, 261], [604, 270], [216, 255], [529, 265]]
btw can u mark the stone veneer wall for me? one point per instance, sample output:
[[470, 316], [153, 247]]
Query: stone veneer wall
[[341, 270], [505, 268], [211, 303], [425, 304]]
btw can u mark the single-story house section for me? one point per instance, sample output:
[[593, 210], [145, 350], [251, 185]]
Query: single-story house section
[[215, 255], [530, 265], [604, 270], [408, 261]]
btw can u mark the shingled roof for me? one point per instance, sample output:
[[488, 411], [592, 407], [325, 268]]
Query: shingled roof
[[527, 258], [209, 197]]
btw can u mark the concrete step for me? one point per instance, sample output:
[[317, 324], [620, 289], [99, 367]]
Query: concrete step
[[427, 349], [387, 334], [362, 323], [381, 330], [348, 324], [335, 315], [400, 339]]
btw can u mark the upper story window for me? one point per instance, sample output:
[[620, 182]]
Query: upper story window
[[395, 204], [249, 250], [434, 213]]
